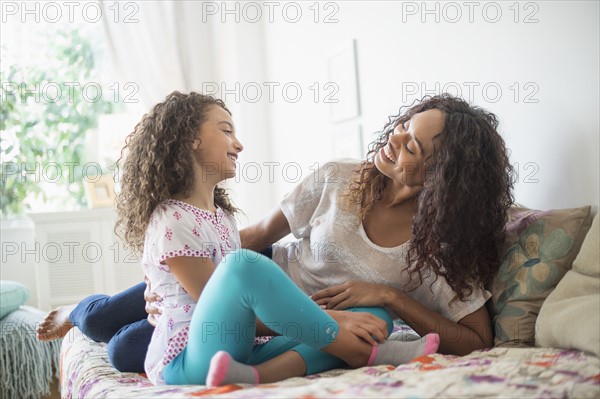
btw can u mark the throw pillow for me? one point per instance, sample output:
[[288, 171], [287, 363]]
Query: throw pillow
[[540, 248], [12, 295], [570, 316]]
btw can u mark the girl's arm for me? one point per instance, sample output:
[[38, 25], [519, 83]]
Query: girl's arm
[[470, 333], [269, 230], [192, 273]]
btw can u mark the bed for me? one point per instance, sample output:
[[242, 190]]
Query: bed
[[546, 314], [499, 372]]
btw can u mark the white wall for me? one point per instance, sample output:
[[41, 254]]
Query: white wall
[[554, 141], [242, 58]]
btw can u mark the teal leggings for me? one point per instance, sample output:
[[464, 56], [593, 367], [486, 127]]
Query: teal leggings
[[246, 286]]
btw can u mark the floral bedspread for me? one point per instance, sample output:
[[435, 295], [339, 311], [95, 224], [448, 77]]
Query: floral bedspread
[[498, 372]]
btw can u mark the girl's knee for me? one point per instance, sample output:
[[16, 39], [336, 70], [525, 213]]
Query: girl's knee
[[244, 263]]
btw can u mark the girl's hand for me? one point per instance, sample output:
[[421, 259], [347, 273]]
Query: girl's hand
[[150, 297], [361, 324], [351, 294]]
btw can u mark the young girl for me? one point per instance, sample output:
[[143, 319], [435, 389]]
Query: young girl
[[173, 211]]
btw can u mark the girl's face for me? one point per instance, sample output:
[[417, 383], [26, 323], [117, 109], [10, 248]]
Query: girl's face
[[403, 158], [217, 146]]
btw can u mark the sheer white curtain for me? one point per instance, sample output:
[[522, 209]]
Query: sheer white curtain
[[166, 48]]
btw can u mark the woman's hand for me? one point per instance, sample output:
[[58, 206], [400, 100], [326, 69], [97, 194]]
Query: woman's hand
[[363, 325], [351, 294], [150, 297]]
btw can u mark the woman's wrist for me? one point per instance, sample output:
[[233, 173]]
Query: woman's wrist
[[391, 297]]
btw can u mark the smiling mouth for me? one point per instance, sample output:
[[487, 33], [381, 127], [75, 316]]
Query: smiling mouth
[[233, 157], [387, 153]]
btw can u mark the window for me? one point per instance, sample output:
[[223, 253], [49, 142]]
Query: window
[[55, 87]]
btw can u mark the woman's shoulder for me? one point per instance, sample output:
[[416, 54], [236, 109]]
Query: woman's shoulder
[[343, 169], [345, 163]]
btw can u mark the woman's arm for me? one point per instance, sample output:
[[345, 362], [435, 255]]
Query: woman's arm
[[470, 333], [269, 230]]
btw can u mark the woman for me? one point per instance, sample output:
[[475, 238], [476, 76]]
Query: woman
[[417, 229]]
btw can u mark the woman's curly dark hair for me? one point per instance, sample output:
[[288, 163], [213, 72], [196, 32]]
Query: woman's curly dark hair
[[462, 209], [159, 164]]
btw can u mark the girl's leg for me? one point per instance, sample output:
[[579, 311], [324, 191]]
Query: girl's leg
[[276, 361], [389, 352], [272, 355], [224, 370], [247, 285]]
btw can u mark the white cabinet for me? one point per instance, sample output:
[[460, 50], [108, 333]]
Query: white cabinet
[[77, 254]]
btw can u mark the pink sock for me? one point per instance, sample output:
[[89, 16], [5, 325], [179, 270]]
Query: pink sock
[[373, 355], [432, 343], [225, 370]]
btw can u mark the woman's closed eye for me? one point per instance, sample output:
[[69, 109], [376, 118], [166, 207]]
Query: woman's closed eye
[[402, 130]]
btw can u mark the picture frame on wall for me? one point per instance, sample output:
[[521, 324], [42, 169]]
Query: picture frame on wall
[[342, 73], [100, 193]]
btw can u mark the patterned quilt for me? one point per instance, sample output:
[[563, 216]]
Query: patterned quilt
[[498, 372]]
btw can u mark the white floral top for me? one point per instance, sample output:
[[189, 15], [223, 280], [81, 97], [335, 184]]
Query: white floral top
[[179, 229]]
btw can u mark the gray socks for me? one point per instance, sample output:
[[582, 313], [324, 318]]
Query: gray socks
[[400, 352]]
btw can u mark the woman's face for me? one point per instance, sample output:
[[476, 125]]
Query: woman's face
[[403, 158]]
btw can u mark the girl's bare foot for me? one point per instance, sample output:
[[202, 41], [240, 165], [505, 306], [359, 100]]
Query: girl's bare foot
[[56, 324]]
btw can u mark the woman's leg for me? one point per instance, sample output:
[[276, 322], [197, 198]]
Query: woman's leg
[[127, 348], [97, 316], [100, 317], [247, 285], [119, 320]]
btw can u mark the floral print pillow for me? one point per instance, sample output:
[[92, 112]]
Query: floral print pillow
[[540, 248]]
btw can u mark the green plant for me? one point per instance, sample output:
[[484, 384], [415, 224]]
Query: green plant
[[43, 134]]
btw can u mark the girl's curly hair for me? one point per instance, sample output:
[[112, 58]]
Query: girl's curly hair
[[462, 209], [159, 164]]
